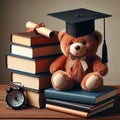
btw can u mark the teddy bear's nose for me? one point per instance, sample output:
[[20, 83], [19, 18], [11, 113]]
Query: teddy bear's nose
[[77, 47]]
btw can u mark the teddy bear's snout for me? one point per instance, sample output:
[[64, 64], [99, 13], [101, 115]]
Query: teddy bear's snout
[[77, 47]]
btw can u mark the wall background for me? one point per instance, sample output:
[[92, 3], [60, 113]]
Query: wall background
[[15, 13]]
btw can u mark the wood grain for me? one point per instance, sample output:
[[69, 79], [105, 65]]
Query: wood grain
[[35, 113]]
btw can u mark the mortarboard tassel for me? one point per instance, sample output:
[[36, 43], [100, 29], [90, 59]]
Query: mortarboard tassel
[[104, 48]]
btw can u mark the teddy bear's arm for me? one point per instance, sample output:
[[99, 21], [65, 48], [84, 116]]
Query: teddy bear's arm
[[98, 66], [58, 64]]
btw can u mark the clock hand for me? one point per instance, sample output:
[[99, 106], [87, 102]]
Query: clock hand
[[16, 98]]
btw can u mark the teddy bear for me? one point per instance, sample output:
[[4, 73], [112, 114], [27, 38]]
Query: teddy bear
[[79, 65]]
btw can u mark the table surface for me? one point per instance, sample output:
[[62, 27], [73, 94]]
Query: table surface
[[35, 113]]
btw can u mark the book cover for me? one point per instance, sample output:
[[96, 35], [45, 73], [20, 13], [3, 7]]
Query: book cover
[[32, 39], [31, 81], [36, 51], [81, 96], [29, 65], [78, 112], [78, 106]]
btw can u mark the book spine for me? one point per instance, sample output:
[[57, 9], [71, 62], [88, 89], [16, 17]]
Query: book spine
[[69, 97]]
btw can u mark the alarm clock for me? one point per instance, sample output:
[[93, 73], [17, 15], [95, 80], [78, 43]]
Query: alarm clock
[[15, 97]]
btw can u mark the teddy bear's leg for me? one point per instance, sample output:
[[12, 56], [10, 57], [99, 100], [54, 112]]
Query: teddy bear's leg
[[61, 80], [92, 82]]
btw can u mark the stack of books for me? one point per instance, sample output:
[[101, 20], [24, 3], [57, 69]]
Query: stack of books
[[29, 60], [79, 102]]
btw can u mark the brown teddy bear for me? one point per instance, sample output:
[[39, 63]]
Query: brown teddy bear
[[79, 64]]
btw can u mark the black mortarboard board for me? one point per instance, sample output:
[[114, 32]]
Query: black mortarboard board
[[81, 22]]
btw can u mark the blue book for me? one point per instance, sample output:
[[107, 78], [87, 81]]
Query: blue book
[[81, 96]]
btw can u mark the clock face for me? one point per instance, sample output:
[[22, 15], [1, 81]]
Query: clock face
[[15, 98]]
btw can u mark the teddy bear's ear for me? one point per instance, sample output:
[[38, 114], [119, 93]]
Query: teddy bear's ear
[[61, 34], [98, 36]]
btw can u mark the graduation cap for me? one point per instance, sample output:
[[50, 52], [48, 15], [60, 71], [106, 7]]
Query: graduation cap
[[81, 22]]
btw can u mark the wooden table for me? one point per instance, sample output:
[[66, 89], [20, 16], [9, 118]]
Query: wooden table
[[34, 113]]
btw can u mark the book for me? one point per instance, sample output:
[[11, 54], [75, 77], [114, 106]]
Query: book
[[79, 113], [32, 39], [37, 51], [35, 99], [29, 65], [79, 106], [32, 81], [81, 96]]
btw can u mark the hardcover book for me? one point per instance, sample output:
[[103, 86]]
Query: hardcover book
[[32, 39], [78, 112], [79, 106], [81, 96], [35, 99], [29, 65], [33, 52], [32, 81]]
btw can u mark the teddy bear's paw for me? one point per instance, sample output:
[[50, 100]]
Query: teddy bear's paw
[[61, 81], [92, 82], [102, 69]]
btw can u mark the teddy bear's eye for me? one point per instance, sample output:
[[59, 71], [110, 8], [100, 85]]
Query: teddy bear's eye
[[71, 42], [84, 42]]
